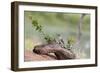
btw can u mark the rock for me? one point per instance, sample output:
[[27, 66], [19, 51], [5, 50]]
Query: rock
[[61, 53], [30, 56]]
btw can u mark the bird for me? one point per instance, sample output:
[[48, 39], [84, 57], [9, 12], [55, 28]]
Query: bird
[[60, 40]]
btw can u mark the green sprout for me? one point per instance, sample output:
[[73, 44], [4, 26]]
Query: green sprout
[[39, 28], [70, 42]]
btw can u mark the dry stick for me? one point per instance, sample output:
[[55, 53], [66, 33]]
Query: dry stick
[[60, 52], [79, 35]]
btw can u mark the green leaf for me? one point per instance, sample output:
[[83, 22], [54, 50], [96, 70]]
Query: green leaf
[[34, 22]]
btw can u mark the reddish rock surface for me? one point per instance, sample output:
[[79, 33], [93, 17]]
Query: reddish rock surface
[[30, 56]]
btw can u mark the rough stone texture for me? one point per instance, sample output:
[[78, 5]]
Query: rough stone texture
[[48, 52], [61, 53]]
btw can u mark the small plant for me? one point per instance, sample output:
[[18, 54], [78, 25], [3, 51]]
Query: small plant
[[39, 28], [70, 42]]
